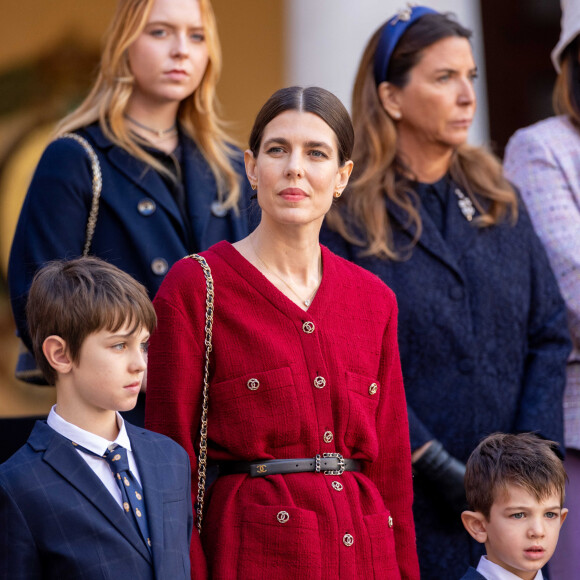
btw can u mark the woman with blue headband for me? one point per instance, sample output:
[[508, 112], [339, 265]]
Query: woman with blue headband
[[482, 326]]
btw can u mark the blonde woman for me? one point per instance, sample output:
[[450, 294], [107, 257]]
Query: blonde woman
[[482, 326], [172, 183]]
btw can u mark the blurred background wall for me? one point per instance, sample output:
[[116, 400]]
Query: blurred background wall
[[50, 49]]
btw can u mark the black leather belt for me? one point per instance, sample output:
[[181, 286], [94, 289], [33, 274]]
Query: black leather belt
[[328, 463]]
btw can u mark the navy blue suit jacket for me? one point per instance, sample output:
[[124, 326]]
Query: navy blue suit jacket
[[473, 574], [143, 239], [58, 520]]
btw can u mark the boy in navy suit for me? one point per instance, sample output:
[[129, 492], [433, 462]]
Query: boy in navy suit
[[91, 496], [515, 486]]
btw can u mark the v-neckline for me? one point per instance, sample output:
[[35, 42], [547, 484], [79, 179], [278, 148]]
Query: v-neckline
[[269, 290]]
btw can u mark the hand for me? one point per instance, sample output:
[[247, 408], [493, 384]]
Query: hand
[[443, 472]]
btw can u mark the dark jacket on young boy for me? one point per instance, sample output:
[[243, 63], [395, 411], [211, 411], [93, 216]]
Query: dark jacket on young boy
[[472, 574], [58, 520]]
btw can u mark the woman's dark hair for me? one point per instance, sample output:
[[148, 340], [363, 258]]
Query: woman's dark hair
[[378, 165], [566, 96], [426, 31], [314, 100]]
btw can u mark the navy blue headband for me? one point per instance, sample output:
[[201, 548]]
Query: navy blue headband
[[391, 34]]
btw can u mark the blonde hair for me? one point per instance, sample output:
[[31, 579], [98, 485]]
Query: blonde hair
[[197, 114], [377, 162]]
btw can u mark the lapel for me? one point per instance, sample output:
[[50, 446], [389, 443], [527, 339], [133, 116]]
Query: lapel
[[459, 233], [151, 483], [136, 171], [431, 239], [200, 189], [62, 457]]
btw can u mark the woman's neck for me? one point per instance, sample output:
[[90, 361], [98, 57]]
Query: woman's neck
[[159, 116], [427, 164], [157, 125], [290, 259]]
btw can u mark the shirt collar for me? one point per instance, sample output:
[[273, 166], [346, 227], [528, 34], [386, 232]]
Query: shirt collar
[[493, 571], [440, 187], [90, 441]]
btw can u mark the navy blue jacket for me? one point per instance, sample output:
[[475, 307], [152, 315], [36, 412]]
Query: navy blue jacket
[[58, 520], [472, 574], [483, 342], [139, 227]]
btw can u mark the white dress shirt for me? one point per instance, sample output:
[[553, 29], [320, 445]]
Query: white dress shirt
[[97, 445], [493, 571]]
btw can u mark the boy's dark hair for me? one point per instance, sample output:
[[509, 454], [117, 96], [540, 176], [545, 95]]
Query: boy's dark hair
[[75, 298], [504, 459]]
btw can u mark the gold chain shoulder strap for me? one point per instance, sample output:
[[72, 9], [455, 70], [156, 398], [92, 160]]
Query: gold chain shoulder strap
[[97, 187], [202, 460], [25, 371]]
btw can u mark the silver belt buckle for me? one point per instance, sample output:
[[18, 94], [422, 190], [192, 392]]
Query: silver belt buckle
[[341, 465]]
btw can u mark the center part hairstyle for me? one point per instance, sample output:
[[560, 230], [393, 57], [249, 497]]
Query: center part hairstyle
[[380, 171], [197, 115], [503, 459], [315, 100], [75, 298]]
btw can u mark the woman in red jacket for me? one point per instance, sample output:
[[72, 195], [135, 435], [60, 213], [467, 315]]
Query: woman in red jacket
[[307, 416]]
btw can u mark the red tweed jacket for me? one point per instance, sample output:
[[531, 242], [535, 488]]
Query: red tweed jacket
[[357, 525]]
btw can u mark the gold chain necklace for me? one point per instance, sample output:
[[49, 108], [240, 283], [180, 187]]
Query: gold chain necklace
[[306, 302]]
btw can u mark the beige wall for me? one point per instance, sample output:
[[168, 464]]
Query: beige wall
[[28, 27], [253, 45], [251, 32], [252, 35]]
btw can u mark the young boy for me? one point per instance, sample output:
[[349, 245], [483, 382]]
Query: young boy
[[91, 496], [515, 486]]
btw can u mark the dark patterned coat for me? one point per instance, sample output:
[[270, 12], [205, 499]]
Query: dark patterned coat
[[483, 342]]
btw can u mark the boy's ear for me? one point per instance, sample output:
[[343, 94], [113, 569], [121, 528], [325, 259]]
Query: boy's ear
[[563, 514], [56, 353], [474, 523]]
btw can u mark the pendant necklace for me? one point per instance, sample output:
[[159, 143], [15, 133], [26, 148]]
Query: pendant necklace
[[160, 133], [465, 204], [306, 302]]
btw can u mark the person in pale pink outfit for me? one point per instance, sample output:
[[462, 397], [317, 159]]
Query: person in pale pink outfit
[[543, 160]]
